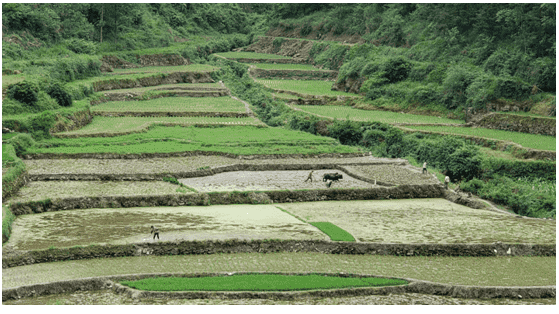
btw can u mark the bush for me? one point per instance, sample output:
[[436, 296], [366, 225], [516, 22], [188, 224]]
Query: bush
[[464, 163], [372, 137], [81, 46], [347, 132], [420, 71], [57, 91], [76, 68], [25, 92], [457, 80], [41, 124], [493, 167], [306, 29], [21, 142]]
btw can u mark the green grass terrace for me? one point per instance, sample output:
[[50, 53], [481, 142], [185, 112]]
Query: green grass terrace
[[534, 141], [244, 140], [281, 66], [250, 55], [166, 69], [174, 104], [320, 88], [344, 112], [119, 125]]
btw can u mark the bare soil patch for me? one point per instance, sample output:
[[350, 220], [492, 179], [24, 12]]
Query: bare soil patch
[[41, 190], [424, 221], [270, 180], [132, 225], [180, 164]]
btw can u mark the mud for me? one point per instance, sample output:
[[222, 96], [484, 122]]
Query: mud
[[271, 180], [117, 226], [424, 221]]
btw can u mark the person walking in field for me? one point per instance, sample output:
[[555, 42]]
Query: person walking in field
[[446, 182], [424, 167], [155, 232], [310, 176]]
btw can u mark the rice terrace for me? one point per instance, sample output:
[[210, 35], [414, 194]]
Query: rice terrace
[[259, 154]]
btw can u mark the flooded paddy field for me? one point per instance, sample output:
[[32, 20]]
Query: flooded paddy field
[[424, 221], [132, 225]]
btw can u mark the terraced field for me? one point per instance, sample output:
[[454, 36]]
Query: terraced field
[[165, 69], [126, 125], [293, 66], [93, 231], [527, 140], [344, 112], [304, 87], [250, 55], [174, 104]]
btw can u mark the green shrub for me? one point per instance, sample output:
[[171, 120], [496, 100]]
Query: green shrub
[[21, 142], [457, 80], [420, 71], [41, 124], [25, 92], [7, 221], [515, 169], [306, 29], [347, 132], [464, 163], [277, 43], [81, 46], [171, 180], [372, 137], [528, 197], [57, 91], [76, 68], [437, 75]]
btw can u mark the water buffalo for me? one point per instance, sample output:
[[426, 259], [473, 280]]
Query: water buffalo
[[331, 176]]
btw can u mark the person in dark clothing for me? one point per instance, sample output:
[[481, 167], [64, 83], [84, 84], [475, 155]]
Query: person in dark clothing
[[155, 232], [310, 176]]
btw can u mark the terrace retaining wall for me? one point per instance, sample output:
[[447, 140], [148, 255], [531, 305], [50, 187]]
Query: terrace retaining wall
[[133, 96], [517, 150], [171, 114], [226, 198], [11, 188], [278, 61], [156, 79], [164, 59], [414, 286], [182, 247], [78, 120], [187, 154], [516, 123]]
